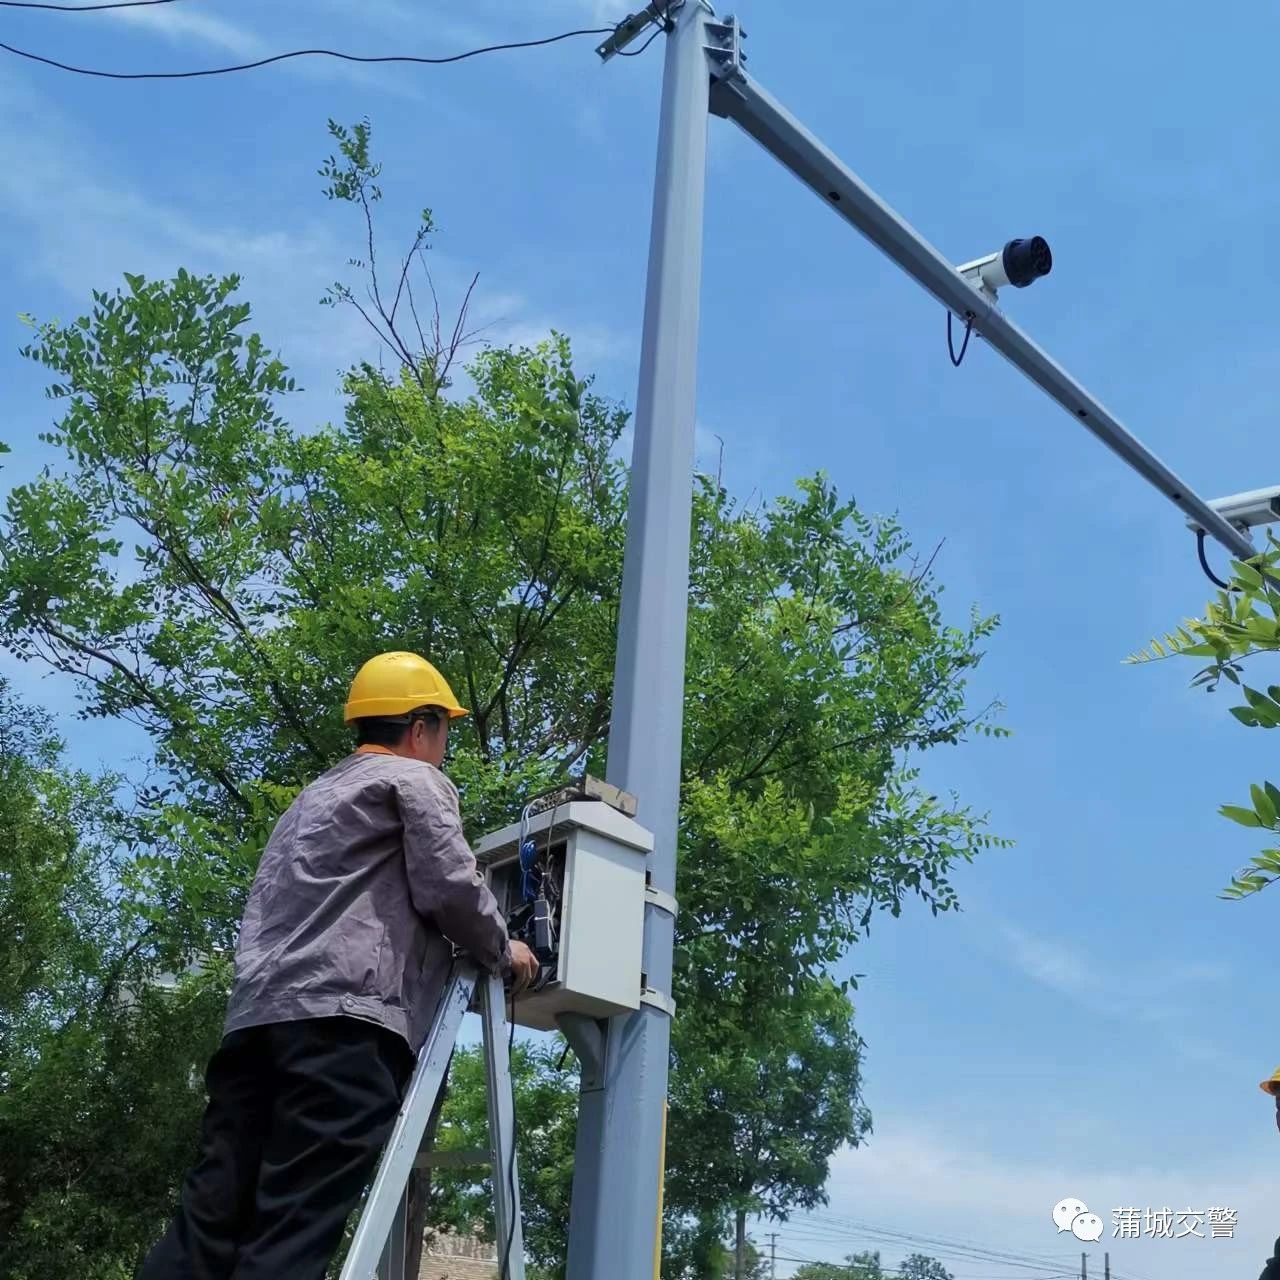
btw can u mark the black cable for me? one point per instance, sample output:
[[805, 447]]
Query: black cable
[[1204, 563], [511, 1041], [968, 333], [300, 53], [81, 8], [665, 25], [635, 53], [546, 853]]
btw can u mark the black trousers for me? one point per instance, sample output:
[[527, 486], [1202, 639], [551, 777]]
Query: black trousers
[[298, 1114]]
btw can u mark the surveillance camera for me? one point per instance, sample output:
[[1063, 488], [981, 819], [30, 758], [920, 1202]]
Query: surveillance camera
[[1245, 510], [1019, 263]]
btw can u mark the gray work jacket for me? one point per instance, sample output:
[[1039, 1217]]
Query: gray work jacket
[[364, 878]]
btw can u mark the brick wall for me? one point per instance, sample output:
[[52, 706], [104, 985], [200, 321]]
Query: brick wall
[[458, 1258]]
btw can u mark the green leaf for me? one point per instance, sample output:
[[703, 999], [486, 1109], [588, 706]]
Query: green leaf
[[1263, 805], [1245, 817], [1201, 650], [1268, 712], [1247, 574]]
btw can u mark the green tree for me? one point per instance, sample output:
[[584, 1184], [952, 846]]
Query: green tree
[[764, 1091], [867, 1266], [919, 1266], [1239, 624], [694, 1254], [213, 574], [55, 864], [98, 1092], [857, 1266], [545, 1084]]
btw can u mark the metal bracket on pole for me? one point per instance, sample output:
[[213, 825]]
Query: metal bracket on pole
[[660, 901], [587, 1038], [635, 24], [724, 52], [658, 1000]]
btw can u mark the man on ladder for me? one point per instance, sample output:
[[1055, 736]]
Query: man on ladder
[[343, 955], [1271, 1271]]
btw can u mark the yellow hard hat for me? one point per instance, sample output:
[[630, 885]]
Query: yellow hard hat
[[1273, 1084], [393, 684]]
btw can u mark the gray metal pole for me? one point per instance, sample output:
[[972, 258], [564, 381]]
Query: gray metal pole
[[614, 1220], [508, 1229], [739, 98]]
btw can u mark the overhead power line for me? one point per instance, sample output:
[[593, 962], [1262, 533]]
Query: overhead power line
[[829, 1228], [295, 53], [81, 8], [1030, 1270], [849, 1230]]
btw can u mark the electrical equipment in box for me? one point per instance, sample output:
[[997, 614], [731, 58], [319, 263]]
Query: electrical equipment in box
[[570, 879]]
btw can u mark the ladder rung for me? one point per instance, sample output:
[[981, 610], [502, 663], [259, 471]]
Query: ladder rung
[[459, 1158]]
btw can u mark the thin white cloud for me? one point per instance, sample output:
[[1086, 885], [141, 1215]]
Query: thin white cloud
[[917, 1182], [1052, 964], [1112, 989], [193, 27], [603, 13], [596, 13], [185, 26], [1085, 978], [81, 227], [594, 346], [512, 319]]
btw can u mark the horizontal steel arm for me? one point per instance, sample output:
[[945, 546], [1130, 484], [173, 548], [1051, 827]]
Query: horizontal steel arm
[[737, 97]]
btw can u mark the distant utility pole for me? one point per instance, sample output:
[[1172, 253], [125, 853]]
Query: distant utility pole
[[1106, 1266], [773, 1255], [1084, 1266]]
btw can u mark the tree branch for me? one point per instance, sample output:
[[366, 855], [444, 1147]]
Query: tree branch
[[147, 693], [755, 770]]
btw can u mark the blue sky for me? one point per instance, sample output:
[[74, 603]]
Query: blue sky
[[1095, 1022]]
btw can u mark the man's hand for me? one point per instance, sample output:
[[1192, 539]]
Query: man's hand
[[524, 966]]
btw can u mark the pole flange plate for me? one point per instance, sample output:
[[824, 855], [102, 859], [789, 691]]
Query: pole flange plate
[[658, 1000], [661, 901]]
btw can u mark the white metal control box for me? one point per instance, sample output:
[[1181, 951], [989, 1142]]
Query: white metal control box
[[596, 859]]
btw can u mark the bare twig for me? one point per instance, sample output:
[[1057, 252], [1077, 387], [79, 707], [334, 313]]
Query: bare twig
[[455, 340]]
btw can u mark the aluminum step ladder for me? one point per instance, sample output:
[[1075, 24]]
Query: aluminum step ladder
[[379, 1246]]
